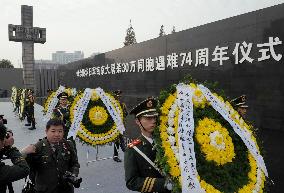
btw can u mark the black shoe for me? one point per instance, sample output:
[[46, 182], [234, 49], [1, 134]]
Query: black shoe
[[117, 159], [27, 124], [32, 128]]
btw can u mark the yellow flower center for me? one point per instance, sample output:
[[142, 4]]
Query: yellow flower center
[[215, 141], [98, 115]]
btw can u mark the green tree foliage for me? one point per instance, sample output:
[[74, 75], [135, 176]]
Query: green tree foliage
[[130, 36], [162, 31], [6, 64]]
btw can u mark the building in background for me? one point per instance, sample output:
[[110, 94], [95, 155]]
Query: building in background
[[62, 57], [46, 64]]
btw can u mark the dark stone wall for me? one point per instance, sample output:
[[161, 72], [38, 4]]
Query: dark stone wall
[[44, 79], [262, 81], [10, 77]]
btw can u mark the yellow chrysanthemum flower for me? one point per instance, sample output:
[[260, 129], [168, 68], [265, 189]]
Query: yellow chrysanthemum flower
[[215, 141], [98, 115]]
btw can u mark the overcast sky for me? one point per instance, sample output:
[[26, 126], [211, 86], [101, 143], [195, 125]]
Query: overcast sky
[[100, 25]]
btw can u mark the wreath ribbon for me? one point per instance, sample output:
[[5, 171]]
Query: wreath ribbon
[[188, 169], [53, 103], [79, 113], [244, 135], [114, 111]]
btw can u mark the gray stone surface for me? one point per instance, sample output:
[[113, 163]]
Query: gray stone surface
[[98, 177], [28, 35]]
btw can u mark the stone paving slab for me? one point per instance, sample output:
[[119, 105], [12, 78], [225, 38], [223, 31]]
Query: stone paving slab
[[98, 177]]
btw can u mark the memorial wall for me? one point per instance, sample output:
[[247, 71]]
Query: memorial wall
[[244, 54]]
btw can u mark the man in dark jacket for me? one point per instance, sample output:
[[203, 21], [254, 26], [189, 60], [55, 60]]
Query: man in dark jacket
[[51, 159], [19, 169], [140, 174]]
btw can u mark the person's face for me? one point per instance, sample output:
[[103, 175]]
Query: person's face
[[55, 133], [63, 101], [242, 111], [149, 123]]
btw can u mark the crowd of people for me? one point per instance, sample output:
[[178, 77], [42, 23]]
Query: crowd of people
[[52, 163]]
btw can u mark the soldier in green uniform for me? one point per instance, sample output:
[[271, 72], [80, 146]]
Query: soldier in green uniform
[[17, 103], [30, 110], [62, 112], [51, 159], [240, 105], [141, 174], [19, 169]]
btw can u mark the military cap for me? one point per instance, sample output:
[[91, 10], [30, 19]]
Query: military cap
[[30, 90], [146, 108], [62, 95], [117, 92], [239, 102]]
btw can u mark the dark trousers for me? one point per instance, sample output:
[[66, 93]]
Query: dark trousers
[[118, 143], [31, 116]]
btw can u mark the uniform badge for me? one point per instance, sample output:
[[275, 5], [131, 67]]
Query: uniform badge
[[149, 104]]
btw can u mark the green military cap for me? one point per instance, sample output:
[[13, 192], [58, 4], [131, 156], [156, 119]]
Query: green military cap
[[30, 90], [146, 108], [62, 95], [240, 102]]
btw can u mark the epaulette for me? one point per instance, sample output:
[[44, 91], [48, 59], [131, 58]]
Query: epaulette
[[134, 143]]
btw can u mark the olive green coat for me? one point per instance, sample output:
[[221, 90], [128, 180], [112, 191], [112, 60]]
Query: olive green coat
[[139, 174], [18, 170], [49, 166]]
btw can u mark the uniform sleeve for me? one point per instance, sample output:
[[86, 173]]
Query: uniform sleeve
[[34, 159], [134, 181], [74, 159], [18, 170]]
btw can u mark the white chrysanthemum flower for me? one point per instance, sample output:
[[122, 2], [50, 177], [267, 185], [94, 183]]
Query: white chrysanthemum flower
[[172, 140], [213, 140], [170, 130], [171, 122], [175, 150], [171, 114]]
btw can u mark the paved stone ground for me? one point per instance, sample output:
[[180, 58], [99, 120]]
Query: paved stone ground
[[98, 177]]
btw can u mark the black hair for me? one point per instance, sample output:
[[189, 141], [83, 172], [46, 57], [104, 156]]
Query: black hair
[[54, 122], [3, 131]]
